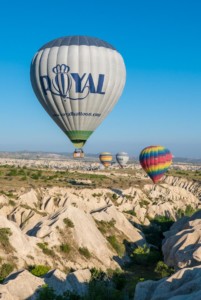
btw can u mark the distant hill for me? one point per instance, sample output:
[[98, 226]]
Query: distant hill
[[66, 155]]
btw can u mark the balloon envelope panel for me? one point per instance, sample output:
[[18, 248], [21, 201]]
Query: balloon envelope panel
[[155, 160], [78, 80]]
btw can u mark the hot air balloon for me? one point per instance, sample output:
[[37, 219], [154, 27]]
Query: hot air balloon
[[122, 158], [155, 160], [78, 80], [78, 153], [106, 159]]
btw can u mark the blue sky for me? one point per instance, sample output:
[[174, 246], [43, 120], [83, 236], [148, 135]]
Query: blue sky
[[161, 45]]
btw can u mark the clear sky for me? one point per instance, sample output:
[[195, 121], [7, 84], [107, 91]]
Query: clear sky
[[160, 41]]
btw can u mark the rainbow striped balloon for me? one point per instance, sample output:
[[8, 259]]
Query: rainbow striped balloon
[[155, 160], [106, 159]]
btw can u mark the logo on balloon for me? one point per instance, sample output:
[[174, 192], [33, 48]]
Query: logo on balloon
[[64, 82]]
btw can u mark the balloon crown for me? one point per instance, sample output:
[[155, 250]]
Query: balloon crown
[[61, 69]]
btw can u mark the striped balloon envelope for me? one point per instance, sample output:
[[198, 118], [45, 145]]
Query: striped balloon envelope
[[122, 158], [78, 80], [155, 160], [106, 159]]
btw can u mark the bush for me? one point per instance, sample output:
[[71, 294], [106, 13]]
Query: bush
[[39, 270], [46, 293], [5, 270], [85, 252], [130, 212], [189, 211], [163, 270], [4, 239], [114, 197], [68, 222], [45, 249], [144, 255], [65, 248], [12, 203], [119, 248]]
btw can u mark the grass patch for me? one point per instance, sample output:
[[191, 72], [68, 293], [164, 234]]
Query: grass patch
[[144, 255], [104, 226], [163, 270], [116, 245], [45, 249], [5, 270], [39, 270], [85, 252], [4, 239], [188, 212], [68, 222], [66, 248]]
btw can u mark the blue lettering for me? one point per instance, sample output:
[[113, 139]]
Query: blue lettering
[[100, 84], [78, 82], [90, 84], [45, 84]]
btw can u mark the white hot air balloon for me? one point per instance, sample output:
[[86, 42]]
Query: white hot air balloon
[[78, 80], [122, 158]]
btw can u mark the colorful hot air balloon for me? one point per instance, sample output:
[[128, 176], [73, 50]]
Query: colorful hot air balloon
[[155, 160], [78, 80], [106, 159], [122, 158]]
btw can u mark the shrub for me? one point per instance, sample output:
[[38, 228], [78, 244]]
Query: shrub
[[97, 274], [39, 270], [65, 248], [114, 197], [163, 270], [119, 248], [46, 293], [143, 203], [85, 252], [144, 255], [5, 270], [12, 203], [4, 239], [45, 249], [68, 222], [12, 172], [189, 211], [130, 212], [104, 226]]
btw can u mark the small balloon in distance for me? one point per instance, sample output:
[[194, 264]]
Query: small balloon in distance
[[105, 159], [122, 159]]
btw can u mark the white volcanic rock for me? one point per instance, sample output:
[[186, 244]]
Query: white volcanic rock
[[22, 215], [58, 281], [85, 232], [30, 198], [17, 239], [121, 223], [79, 280], [183, 285], [3, 200], [182, 245], [20, 286], [191, 186]]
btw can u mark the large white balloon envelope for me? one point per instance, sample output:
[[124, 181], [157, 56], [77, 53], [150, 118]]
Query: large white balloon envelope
[[78, 80]]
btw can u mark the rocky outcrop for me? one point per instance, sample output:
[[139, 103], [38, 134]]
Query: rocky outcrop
[[22, 285], [183, 285], [182, 244], [190, 185]]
